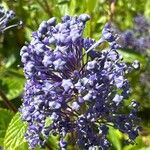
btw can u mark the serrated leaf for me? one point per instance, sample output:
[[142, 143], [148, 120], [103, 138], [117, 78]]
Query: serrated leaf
[[23, 146], [11, 82], [14, 138], [5, 118], [15, 134]]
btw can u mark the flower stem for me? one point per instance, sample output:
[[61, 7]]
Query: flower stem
[[100, 41], [7, 102], [45, 6], [112, 9]]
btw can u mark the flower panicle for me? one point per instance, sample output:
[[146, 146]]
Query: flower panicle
[[81, 90]]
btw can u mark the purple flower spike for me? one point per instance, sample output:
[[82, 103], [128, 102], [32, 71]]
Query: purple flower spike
[[80, 89]]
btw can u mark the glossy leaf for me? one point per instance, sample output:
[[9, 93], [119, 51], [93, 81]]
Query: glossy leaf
[[5, 118], [12, 83], [15, 133], [114, 136]]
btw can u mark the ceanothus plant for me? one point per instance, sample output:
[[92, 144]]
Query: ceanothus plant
[[81, 90], [138, 37], [5, 18]]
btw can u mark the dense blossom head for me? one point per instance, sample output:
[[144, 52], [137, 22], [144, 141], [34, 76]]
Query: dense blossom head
[[81, 90], [5, 18], [137, 38]]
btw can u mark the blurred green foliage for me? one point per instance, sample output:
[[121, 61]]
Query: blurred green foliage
[[32, 13]]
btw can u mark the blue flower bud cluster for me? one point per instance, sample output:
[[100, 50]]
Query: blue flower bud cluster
[[138, 38], [5, 18], [81, 90]]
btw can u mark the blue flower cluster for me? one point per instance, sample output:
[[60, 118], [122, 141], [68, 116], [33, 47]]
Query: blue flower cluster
[[5, 18], [81, 90], [138, 38]]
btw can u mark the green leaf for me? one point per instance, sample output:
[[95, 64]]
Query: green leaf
[[10, 60], [139, 144], [130, 56], [14, 137], [52, 140], [87, 30], [5, 118], [114, 137], [72, 7], [11, 82], [147, 10], [91, 5], [145, 148], [63, 2], [23, 146]]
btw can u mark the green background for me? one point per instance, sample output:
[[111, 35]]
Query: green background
[[32, 13]]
